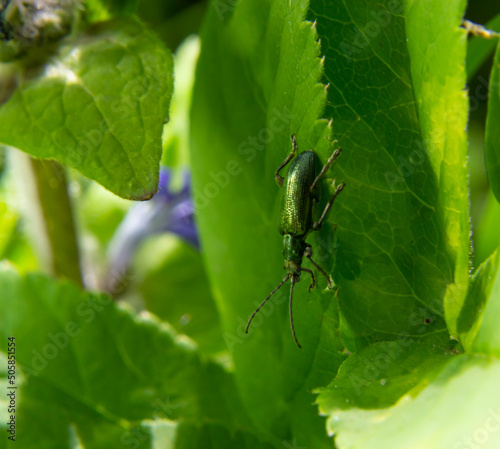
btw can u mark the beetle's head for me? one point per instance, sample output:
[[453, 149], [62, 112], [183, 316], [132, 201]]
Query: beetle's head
[[293, 250], [293, 269]]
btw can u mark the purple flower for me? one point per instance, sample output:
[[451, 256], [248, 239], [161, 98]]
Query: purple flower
[[168, 211]]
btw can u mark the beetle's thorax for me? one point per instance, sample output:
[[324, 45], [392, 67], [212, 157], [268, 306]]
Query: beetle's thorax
[[293, 251]]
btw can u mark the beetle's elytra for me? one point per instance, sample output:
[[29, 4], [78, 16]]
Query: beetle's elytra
[[296, 218]]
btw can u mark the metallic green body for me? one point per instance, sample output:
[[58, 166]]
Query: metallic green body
[[296, 202], [299, 196]]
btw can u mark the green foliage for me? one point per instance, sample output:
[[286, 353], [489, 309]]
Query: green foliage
[[403, 223], [387, 359], [98, 106], [379, 375], [107, 372], [438, 417]]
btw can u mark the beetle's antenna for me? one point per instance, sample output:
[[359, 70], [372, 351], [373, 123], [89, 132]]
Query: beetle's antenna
[[291, 313], [265, 300]]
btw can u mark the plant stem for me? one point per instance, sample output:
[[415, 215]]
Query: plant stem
[[50, 180]]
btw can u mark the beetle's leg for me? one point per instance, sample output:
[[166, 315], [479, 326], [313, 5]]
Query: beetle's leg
[[313, 279], [318, 224], [277, 176], [329, 162], [291, 314], [265, 300], [308, 254]]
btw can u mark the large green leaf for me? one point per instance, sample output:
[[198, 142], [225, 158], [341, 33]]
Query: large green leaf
[[436, 418], [438, 75], [92, 370], [256, 84], [399, 111], [98, 106]]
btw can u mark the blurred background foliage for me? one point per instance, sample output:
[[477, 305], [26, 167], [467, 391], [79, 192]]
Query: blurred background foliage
[[163, 267]]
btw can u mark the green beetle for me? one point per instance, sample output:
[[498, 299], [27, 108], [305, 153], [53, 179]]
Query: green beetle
[[296, 218]]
